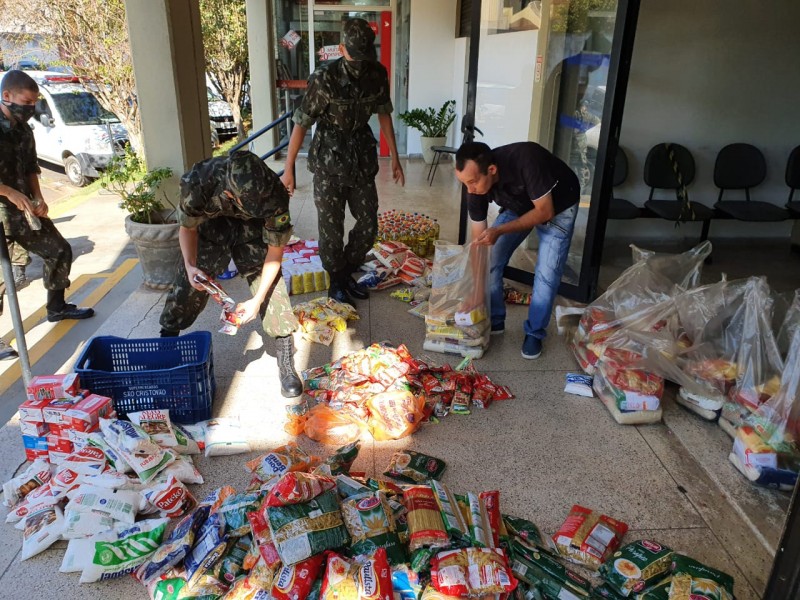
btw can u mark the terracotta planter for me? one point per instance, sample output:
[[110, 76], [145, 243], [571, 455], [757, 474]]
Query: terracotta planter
[[158, 249]]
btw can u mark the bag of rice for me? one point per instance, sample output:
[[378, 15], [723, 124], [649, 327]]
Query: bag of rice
[[79, 551], [156, 424], [113, 457], [294, 582], [296, 488], [183, 470], [43, 526], [425, 525], [130, 547], [284, 459], [120, 505], [80, 524], [369, 521], [128, 437], [414, 467], [472, 572], [636, 566], [300, 531], [691, 579], [224, 436], [36, 475], [588, 538]]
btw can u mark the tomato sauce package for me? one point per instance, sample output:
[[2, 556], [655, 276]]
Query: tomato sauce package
[[589, 538], [295, 582]]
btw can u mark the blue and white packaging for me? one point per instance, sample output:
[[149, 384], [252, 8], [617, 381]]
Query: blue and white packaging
[[579, 384]]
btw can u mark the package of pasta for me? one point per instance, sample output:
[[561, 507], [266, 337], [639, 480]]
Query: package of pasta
[[546, 574], [589, 538], [343, 458], [369, 521], [490, 509], [691, 579], [234, 511], [425, 525], [529, 533], [365, 577], [228, 568], [478, 526], [472, 572], [176, 546], [284, 459], [414, 467], [262, 538], [296, 488], [454, 522], [254, 586], [294, 582], [300, 531], [636, 566]]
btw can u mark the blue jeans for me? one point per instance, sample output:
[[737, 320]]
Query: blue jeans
[[555, 237]]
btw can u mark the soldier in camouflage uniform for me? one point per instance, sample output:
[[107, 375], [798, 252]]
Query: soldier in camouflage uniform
[[20, 194], [235, 207], [341, 97]]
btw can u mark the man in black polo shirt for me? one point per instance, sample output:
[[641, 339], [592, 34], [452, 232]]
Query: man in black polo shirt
[[534, 189]]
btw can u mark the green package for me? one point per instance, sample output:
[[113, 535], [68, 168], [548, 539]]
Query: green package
[[690, 577], [477, 524], [451, 514], [543, 571], [229, 567], [414, 467], [636, 566], [347, 486], [300, 531], [370, 524], [234, 511], [342, 459], [529, 532], [421, 559], [659, 591]]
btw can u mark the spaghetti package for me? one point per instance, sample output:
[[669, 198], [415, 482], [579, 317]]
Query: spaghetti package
[[367, 577], [690, 579], [296, 488], [284, 459], [490, 509], [478, 526], [300, 531], [473, 572], [454, 522], [262, 538], [414, 467], [369, 521], [588, 538], [294, 582], [425, 525], [546, 574]]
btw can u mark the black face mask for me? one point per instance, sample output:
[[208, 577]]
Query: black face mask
[[21, 112]]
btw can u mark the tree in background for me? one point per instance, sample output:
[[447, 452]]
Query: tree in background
[[224, 25]]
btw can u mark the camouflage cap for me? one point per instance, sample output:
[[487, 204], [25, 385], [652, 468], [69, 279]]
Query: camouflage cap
[[253, 184], [359, 39]]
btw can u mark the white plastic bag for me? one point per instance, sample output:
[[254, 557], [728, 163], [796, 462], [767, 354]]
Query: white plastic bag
[[224, 436], [121, 505], [43, 527], [84, 524], [130, 547], [36, 475], [157, 424], [128, 437]]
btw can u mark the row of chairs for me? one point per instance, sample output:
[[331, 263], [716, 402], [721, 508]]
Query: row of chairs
[[737, 167]]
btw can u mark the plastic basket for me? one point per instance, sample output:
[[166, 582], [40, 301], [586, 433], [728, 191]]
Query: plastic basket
[[175, 373]]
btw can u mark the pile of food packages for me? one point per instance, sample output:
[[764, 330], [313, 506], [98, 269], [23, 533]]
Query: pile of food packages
[[457, 319], [302, 267], [322, 317], [393, 263], [386, 391], [415, 230], [310, 529], [731, 347]]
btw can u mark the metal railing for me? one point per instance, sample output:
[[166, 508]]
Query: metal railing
[[269, 127]]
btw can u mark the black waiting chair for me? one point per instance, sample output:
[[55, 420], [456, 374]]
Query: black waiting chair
[[793, 181], [437, 157], [742, 167], [671, 167], [619, 208]]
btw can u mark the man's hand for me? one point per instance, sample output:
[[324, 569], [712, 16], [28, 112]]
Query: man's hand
[[397, 172], [19, 200], [488, 237], [288, 181], [247, 310], [191, 272], [40, 209]]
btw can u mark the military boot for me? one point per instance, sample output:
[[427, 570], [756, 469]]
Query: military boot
[[291, 385], [58, 309]]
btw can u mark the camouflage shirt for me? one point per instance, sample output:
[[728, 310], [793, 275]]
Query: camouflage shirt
[[17, 157], [340, 99], [221, 187]]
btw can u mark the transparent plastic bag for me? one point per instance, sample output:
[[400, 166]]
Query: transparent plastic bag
[[790, 325], [328, 426]]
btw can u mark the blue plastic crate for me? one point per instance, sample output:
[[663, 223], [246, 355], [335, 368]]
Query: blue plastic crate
[[175, 373]]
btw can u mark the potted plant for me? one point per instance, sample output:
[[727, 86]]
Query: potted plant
[[152, 227], [432, 123]]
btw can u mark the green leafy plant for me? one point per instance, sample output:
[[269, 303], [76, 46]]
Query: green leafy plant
[[137, 187], [429, 121]]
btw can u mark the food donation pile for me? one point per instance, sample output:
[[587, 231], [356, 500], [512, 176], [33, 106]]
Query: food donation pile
[[309, 529], [302, 267], [717, 342], [387, 392], [322, 317], [415, 230]]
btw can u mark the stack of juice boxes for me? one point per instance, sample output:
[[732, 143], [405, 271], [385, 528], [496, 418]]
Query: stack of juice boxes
[[302, 268], [55, 408]]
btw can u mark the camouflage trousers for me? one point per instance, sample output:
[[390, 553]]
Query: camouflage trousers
[[219, 240], [46, 243], [331, 197]]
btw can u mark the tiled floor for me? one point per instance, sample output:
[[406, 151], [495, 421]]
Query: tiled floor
[[544, 450]]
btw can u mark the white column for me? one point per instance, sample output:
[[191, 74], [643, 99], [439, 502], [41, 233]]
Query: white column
[[169, 64], [260, 43]]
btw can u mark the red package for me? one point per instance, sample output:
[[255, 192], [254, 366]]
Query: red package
[[296, 581], [171, 498], [589, 538], [86, 414], [502, 392], [362, 578], [490, 506], [472, 572], [34, 428], [32, 454], [297, 488], [57, 443], [32, 410], [263, 538], [53, 387], [431, 384]]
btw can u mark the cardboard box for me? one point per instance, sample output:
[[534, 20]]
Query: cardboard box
[[34, 442], [32, 410], [32, 455], [55, 411], [86, 414], [53, 387], [34, 428], [56, 443]]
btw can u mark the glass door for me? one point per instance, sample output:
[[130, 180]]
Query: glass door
[[547, 72]]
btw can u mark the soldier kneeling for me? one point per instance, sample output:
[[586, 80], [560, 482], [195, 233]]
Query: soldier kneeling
[[236, 207]]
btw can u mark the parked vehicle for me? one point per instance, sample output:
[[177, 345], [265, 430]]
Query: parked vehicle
[[72, 128], [222, 123]]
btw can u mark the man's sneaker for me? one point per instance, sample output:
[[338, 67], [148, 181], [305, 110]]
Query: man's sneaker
[[498, 329], [69, 311], [20, 280], [531, 347], [7, 351]]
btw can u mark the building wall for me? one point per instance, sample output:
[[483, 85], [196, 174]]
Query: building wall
[[706, 74], [431, 56]]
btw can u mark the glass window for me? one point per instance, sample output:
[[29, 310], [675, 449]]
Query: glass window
[[504, 16], [82, 108]]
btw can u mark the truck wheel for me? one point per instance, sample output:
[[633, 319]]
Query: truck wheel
[[72, 167]]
